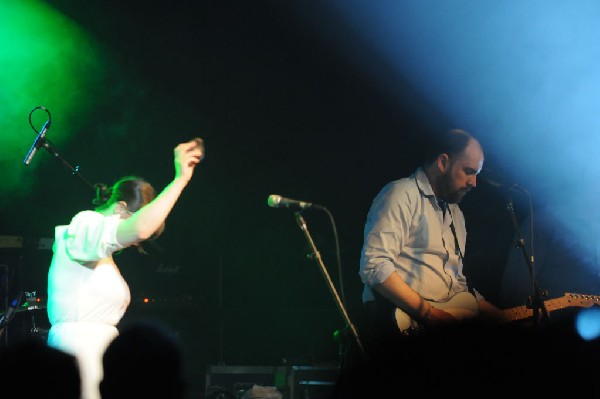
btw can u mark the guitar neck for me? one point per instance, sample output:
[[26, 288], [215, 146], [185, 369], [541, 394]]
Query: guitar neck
[[517, 313], [566, 301]]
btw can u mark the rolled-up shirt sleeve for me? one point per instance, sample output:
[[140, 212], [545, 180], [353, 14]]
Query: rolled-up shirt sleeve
[[384, 235]]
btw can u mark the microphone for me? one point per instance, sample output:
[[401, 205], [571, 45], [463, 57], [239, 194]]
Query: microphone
[[39, 141], [489, 178], [277, 201]]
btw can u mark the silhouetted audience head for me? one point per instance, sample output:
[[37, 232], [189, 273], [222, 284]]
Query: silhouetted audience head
[[143, 361], [479, 360], [30, 366]]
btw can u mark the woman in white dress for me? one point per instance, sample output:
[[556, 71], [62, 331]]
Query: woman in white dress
[[87, 295]]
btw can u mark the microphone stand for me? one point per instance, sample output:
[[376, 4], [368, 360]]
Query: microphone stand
[[99, 188], [302, 224], [42, 141], [535, 301], [47, 144]]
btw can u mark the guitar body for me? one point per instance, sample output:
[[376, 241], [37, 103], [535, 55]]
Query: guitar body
[[462, 306]]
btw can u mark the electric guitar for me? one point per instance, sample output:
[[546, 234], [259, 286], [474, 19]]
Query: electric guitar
[[464, 306]]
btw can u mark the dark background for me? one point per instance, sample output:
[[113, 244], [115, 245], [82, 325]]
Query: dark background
[[281, 112]]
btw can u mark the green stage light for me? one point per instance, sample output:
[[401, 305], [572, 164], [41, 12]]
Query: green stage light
[[46, 60]]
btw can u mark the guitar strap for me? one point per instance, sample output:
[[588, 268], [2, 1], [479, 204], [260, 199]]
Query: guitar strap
[[456, 246]]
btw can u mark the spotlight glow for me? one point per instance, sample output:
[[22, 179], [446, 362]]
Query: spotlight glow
[[587, 323]]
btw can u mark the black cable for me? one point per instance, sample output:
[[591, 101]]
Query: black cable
[[338, 255], [49, 122]]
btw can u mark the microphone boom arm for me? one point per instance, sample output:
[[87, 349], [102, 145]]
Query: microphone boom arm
[[47, 144]]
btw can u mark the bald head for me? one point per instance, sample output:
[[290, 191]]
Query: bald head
[[453, 143], [453, 164]]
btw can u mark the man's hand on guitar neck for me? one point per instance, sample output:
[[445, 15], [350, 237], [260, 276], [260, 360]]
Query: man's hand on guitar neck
[[489, 312]]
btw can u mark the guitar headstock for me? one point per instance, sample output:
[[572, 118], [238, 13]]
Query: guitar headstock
[[581, 300]]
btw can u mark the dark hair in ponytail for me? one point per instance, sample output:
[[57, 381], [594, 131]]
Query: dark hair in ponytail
[[135, 191]]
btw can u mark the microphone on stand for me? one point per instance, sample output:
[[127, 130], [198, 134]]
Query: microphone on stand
[[491, 178], [277, 201], [39, 141]]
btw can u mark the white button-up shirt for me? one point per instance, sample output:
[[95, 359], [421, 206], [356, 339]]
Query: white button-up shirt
[[407, 232]]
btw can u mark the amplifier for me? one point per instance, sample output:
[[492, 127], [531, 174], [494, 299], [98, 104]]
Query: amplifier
[[312, 382], [294, 382], [11, 242], [14, 242], [234, 381]]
